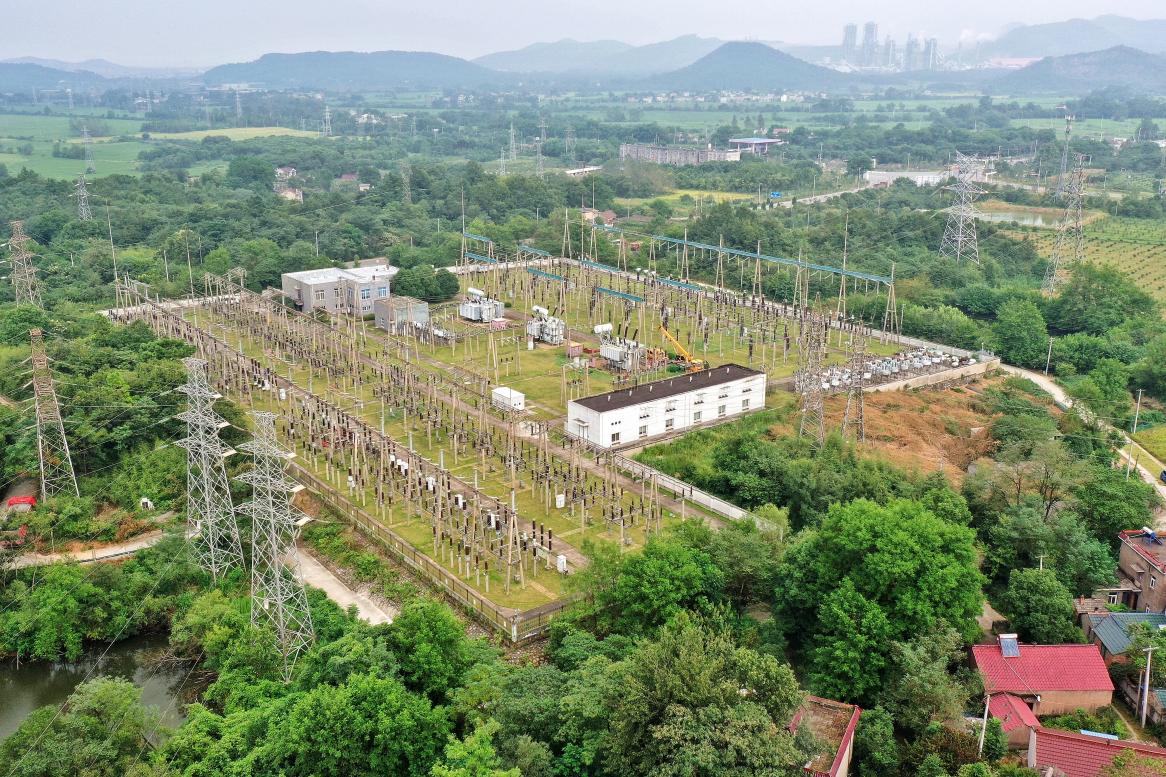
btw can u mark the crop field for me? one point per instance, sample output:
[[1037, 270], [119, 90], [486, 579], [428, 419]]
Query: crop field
[[1137, 247], [235, 133], [109, 158], [27, 127]]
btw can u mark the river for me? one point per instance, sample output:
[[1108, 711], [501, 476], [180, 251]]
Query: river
[[36, 683]]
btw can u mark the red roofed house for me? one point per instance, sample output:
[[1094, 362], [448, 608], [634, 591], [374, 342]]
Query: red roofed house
[[832, 723], [1051, 679], [1015, 718], [1080, 755]]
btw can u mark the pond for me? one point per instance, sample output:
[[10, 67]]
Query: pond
[[36, 684], [1023, 217]]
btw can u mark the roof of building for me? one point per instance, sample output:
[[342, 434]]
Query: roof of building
[[1114, 630], [1083, 755], [1041, 668], [832, 723], [755, 141], [668, 387], [1152, 552], [1011, 711], [333, 274]]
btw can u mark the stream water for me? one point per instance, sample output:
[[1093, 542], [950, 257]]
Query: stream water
[[36, 684]]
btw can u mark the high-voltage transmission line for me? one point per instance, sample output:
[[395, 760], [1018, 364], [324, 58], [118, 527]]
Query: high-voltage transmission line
[[278, 600], [24, 283], [209, 511], [1069, 246], [81, 192], [811, 354], [52, 447], [959, 238]]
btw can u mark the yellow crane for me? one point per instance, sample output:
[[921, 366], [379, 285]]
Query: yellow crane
[[694, 364]]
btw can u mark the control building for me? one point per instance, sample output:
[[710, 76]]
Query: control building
[[338, 290], [666, 406]]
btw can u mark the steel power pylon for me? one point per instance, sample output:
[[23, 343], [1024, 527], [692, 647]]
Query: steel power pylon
[[87, 143], [52, 447], [513, 144], [809, 377], [24, 283], [326, 126], [278, 600], [1069, 246], [569, 145], [855, 418], [209, 511], [81, 192], [1062, 177], [959, 238], [538, 157]]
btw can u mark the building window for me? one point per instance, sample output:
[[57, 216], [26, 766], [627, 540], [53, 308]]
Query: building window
[[318, 295], [669, 423], [696, 417], [1111, 599], [614, 437], [366, 293], [722, 396], [643, 431], [383, 292], [745, 404], [1153, 582], [720, 411]]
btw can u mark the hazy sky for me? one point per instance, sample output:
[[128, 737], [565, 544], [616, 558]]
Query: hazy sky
[[205, 32]]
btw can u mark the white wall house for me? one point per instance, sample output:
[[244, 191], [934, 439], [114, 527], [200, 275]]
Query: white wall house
[[339, 290], [667, 406]]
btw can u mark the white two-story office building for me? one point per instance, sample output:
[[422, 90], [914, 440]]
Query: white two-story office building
[[668, 406]]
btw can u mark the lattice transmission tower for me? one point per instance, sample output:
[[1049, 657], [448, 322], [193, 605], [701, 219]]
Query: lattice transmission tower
[[326, 125], [811, 355], [1069, 245], [24, 282], [854, 417], [538, 157], [513, 144], [87, 146], [52, 447], [569, 144], [209, 512], [81, 192], [959, 238], [278, 600], [1063, 176], [502, 162]]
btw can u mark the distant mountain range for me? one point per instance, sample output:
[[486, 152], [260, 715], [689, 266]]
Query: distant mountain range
[[602, 57], [1119, 66], [107, 69], [750, 66], [21, 76], [350, 70], [1075, 36]]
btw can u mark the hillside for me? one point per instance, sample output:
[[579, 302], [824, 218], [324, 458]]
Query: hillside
[[1075, 36], [605, 57], [107, 69], [750, 66], [354, 70], [1080, 73], [16, 76]]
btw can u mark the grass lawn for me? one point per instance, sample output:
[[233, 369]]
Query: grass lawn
[[109, 158], [1154, 441]]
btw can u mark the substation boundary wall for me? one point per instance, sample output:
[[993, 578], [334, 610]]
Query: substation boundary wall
[[515, 626]]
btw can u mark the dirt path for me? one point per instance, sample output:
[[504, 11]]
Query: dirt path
[[90, 555]]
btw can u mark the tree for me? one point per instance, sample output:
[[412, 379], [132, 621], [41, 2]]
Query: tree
[[431, 647], [995, 741], [857, 165], [692, 702], [1039, 607], [1021, 335], [921, 687], [875, 750], [1150, 372], [1108, 502], [848, 659], [1096, 299], [473, 757], [250, 171]]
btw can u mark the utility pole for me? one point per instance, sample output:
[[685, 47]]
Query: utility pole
[[1049, 357], [81, 192], [1069, 246], [24, 281], [959, 237], [209, 511], [278, 600], [1133, 431], [52, 447], [1149, 651]]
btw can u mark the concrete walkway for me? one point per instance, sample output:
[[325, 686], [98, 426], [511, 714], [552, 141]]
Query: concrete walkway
[[89, 555], [319, 576]]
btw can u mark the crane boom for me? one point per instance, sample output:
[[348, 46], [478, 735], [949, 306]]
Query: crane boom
[[694, 363]]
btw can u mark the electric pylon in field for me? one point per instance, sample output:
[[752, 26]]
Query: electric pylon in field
[[808, 380], [52, 447], [87, 149], [81, 192], [959, 237], [854, 417], [209, 512], [24, 283], [278, 600], [1069, 245]]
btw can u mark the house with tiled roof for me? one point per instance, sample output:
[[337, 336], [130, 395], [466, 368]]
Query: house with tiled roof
[[1072, 754], [1111, 632], [1015, 716], [1050, 679], [832, 723]]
